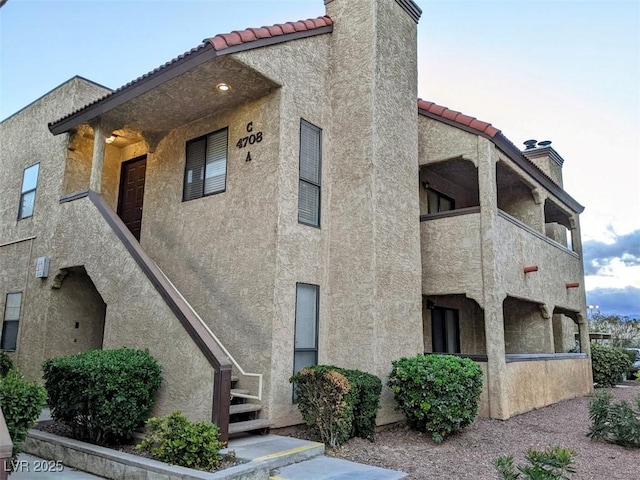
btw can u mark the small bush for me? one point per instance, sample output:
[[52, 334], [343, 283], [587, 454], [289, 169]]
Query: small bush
[[325, 399], [6, 363], [103, 395], [615, 423], [21, 403], [438, 394], [551, 464], [608, 364], [173, 439], [367, 388]]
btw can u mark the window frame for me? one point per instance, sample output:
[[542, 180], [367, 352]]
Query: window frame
[[206, 147], [318, 185], [317, 329], [5, 321], [444, 334], [440, 196], [32, 190]]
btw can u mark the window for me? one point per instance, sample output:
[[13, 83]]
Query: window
[[306, 329], [309, 185], [28, 192], [206, 166], [9, 338], [438, 202], [445, 330]]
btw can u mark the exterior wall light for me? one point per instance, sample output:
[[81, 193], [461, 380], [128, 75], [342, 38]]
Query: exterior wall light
[[425, 185], [223, 87]]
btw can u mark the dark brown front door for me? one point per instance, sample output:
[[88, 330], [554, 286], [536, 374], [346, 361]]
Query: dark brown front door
[[132, 194]]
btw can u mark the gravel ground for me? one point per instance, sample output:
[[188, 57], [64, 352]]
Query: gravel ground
[[469, 454]]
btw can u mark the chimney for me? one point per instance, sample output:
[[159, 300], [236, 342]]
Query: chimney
[[544, 156], [372, 167]]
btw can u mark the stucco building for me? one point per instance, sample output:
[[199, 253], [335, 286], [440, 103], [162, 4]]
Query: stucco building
[[276, 198]]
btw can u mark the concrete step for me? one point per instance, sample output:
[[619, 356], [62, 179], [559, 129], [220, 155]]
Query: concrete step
[[249, 426], [273, 450], [244, 408], [238, 392], [331, 468]]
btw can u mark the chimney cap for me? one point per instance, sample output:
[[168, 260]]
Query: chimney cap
[[545, 143], [530, 144]]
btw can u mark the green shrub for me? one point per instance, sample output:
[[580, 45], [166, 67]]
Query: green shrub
[[325, 399], [366, 396], [173, 439], [6, 363], [21, 403], [615, 423], [103, 395], [551, 464], [438, 394], [608, 364]]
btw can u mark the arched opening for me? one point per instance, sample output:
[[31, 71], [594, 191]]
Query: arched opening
[[76, 314]]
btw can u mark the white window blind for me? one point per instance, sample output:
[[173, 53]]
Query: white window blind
[[306, 327], [310, 164], [206, 166], [9, 338]]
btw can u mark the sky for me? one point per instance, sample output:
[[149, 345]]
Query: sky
[[561, 70]]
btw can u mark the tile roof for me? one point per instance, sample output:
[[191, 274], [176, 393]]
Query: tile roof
[[457, 117], [243, 40], [238, 37]]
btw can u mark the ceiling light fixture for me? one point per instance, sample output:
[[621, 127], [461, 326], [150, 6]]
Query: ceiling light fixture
[[223, 87], [110, 139]]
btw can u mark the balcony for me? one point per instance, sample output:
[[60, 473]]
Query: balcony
[[518, 245], [451, 252]]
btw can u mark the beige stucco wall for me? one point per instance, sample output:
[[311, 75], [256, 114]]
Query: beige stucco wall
[[136, 314], [451, 256], [76, 302], [526, 330], [438, 141], [539, 383], [17, 261]]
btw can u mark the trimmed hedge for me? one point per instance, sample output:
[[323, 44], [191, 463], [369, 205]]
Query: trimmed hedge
[[103, 395], [438, 394], [21, 403], [321, 396], [174, 439], [608, 364]]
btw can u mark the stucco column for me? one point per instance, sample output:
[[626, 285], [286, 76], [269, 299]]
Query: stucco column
[[99, 136], [576, 236], [493, 294]]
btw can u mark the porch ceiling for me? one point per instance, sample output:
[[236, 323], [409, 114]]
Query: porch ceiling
[[189, 96], [458, 170]]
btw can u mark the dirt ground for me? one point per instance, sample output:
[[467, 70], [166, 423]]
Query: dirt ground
[[469, 454]]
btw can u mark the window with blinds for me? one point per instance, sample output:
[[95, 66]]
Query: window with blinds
[[309, 184], [9, 339], [306, 328], [206, 165], [28, 192]]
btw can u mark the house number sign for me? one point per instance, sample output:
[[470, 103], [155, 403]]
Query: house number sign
[[251, 139]]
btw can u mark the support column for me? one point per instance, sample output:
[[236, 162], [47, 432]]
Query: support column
[[99, 136], [493, 295]]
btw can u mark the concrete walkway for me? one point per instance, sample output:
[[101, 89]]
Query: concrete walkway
[[287, 458]]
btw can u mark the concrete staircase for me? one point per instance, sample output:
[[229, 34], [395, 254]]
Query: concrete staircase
[[244, 414]]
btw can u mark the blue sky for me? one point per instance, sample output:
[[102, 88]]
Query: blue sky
[[566, 71]]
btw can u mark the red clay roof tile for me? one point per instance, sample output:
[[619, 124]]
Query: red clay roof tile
[[226, 40], [457, 117]]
